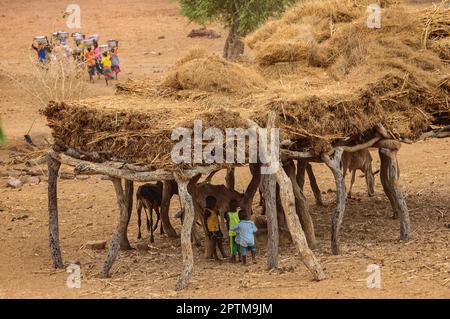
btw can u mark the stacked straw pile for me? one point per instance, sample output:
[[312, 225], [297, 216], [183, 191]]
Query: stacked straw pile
[[326, 74]]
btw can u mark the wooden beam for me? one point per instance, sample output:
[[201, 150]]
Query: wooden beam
[[113, 169], [53, 227]]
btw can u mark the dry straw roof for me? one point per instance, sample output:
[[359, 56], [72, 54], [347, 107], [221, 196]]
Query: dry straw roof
[[319, 67]]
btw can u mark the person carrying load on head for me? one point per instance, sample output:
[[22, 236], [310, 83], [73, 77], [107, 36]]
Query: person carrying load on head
[[115, 62], [232, 218], [90, 61], [106, 63], [42, 48], [98, 59]]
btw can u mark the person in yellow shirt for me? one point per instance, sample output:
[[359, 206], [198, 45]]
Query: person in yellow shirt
[[213, 227], [106, 64]]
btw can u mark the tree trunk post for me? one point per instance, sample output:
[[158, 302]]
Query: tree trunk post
[[389, 174], [268, 185], [53, 227], [252, 188], [234, 47], [165, 205], [129, 192], [336, 168], [313, 182], [230, 179], [295, 228], [301, 205], [301, 169], [118, 235], [186, 244]]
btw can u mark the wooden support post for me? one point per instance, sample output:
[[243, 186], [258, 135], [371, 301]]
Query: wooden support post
[[255, 170], [129, 192], [118, 235], [313, 183], [186, 245], [336, 168], [53, 227], [165, 205], [230, 179], [268, 185], [301, 169], [301, 205], [389, 174], [295, 228]]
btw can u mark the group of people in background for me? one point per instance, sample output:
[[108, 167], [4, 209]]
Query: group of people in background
[[241, 231], [100, 60]]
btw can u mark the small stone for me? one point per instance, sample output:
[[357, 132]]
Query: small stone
[[14, 182], [96, 244]]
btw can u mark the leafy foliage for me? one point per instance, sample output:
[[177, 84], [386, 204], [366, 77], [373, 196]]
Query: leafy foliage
[[251, 13]]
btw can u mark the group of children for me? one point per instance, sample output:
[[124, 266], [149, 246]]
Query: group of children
[[241, 231], [100, 60], [104, 63]]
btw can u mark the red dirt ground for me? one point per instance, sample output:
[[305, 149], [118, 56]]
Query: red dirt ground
[[418, 268]]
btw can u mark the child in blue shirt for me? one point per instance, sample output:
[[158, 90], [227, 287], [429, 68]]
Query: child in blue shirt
[[245, 230]]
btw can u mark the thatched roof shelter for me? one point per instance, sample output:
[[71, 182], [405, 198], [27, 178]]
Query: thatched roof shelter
[[330, 83]]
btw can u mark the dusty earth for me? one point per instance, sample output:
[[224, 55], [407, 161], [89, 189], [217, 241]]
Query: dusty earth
[[419, 268]]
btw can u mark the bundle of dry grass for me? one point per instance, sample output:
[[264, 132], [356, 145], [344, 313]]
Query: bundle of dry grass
[[212, 73], [133, 129]]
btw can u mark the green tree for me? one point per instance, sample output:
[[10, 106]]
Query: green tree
[[239, 16]]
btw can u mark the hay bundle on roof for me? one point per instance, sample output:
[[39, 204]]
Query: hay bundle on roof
[[212, 74], [133, 129]]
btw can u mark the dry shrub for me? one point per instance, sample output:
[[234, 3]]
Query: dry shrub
[[213, 74], [442, 47], [59, 78]]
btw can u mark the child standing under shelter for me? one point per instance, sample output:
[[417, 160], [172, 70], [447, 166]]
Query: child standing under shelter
[[212, 225], [245, 230], [232, 218]]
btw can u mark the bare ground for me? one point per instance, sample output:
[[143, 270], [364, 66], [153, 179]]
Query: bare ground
[[418, 268]]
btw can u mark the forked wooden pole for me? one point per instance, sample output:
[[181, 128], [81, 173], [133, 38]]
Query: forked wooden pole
[[295, 228], [390, 173], [313, 182], [128, 197], [301, 205], [186, 244], [268, 186], [336, 168], [53, 227], [117, 236], [165, 205], [230, 179]]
